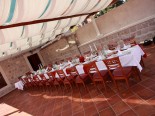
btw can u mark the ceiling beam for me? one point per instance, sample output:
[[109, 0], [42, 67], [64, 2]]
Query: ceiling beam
[[43, 20]]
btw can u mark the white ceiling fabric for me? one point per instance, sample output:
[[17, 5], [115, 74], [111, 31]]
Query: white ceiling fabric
[[21, 42], [58, 8], [65, 29], [5, 47], [74, 21], [64, 23], [48, 34], [101, 5], [17, 39], [34, 29], [4, 10], [90, 5], [10, 34], [56, 32], [25, 47], [51, 26], [74, 9], [16, 11], [45, 40]]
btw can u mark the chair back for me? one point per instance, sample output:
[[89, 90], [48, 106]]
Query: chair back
[[113, 64], [35, 78], [26, 80], [68, 70], [42, 77], [51, 75], [30, 79], [72, 71], [28, 73], [92, 68], [61, 74], [23, 81]]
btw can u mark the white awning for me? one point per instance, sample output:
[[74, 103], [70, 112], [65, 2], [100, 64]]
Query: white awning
[[17, 39]]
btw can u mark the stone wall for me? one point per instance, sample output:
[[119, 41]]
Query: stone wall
[[141, 31], [11, 69], [14, 67]]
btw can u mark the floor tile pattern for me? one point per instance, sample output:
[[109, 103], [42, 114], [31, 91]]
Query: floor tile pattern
[[139, 100]]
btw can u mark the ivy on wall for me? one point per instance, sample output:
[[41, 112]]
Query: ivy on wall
[[102, 12]]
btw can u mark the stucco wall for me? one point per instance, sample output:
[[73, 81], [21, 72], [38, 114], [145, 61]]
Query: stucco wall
[[125, 17], [86, 33]]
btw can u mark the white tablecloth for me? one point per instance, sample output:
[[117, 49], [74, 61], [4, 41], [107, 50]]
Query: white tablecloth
[[131, 59], [19, 85]]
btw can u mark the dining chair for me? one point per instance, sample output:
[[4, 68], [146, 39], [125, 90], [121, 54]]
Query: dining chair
[[45, 81], [71, 71], [51, 77], [95, 74], [117, 72], [53, 80], [38, 82], [79, 78], [27, 83], [34, 85], [66, 79], [28, 73]]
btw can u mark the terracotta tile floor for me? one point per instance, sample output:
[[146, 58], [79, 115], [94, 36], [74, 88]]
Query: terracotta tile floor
[[139, 100]]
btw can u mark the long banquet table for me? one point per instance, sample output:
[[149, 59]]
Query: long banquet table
[[130, 57]]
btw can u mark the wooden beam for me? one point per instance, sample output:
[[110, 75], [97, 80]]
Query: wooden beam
[[43, 20]]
